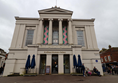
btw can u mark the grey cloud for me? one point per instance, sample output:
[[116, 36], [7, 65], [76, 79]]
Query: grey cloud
[[104, 11]]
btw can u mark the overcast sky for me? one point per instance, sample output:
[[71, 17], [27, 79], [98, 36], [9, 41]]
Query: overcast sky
[[105, 13]]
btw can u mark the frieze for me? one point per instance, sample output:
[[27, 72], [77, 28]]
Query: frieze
[[54, 52]]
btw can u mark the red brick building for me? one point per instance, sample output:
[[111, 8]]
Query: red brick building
[[109, 56]]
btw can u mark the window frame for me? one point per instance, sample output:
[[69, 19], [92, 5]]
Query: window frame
[[79, 27], [55, 38], [109, 58], [105, 58], [101, 59], [27, 37], [81, 36]]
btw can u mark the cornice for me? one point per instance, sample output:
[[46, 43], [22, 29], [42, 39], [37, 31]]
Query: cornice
[[88, 20], [17, 49], [76, 46], [25, 18]]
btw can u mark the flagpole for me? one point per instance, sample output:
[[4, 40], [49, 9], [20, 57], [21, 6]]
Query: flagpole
[[56, 2]]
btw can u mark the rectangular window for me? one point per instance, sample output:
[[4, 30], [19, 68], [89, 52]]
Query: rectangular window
[[29, 38], [109, 58], [105, 58], [80, 38], [55, 38], [101, 59]]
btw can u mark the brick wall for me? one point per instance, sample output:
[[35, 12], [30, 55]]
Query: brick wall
[[112, 52]]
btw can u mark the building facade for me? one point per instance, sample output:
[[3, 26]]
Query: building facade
[[53, 38], [109, 56]]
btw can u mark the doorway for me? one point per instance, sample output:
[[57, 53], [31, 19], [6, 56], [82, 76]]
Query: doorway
[[66, 64], [42, 64], [54, 64]]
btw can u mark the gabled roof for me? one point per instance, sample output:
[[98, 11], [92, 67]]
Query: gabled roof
[[55, 10]]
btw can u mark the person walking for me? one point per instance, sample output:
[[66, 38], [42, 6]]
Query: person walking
[[113, 69], [83, 69]]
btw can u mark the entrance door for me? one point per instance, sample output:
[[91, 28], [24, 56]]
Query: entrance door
[[66, 64], [42, 64], [54, 64]]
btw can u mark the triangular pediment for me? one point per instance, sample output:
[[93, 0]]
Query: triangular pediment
[[55, 10]]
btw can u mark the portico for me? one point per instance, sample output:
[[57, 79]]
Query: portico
[[60, 26]]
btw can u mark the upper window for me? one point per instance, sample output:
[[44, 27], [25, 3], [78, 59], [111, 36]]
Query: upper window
[[105, 58], [80, 38], [109, 58], [55, 38], [101, 59], [29, 38]]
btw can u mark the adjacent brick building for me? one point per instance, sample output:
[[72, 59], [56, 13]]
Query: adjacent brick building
[[2, 57], [109, 56]]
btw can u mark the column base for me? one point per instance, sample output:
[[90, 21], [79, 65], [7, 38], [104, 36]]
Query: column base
[[61, 44], [71, 44], [39, 43]]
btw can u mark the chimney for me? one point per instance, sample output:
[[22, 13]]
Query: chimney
[[109, 46]]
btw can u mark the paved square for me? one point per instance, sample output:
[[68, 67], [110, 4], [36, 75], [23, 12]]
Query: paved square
[[60, 79]]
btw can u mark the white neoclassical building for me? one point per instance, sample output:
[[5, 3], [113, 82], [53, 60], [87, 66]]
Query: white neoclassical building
[[53, 38]]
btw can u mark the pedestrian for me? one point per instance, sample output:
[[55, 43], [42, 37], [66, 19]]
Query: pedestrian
[[86, 71], [113, 69], [89, 72], [96, 71], [83, 69]]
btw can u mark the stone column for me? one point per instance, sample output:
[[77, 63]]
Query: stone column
[[60, 32], [70, 32], [60, 64], [40, 33], [38, 63], [71, 64], [49, 61], [50, 32]]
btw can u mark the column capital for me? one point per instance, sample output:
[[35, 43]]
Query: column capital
[[70, 20], [40, 19], [50, 19], [60, 19]]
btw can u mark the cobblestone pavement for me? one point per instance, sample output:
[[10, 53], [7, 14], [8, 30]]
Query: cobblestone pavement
[[60, 79]]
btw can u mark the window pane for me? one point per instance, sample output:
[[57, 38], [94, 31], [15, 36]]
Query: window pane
[[29, 37], [55, 37], [80, 33], [80, 38]]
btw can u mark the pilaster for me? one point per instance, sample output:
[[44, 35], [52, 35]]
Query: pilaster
[[40, 32]]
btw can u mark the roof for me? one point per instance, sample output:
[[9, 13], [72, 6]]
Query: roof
[[55, 10]]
